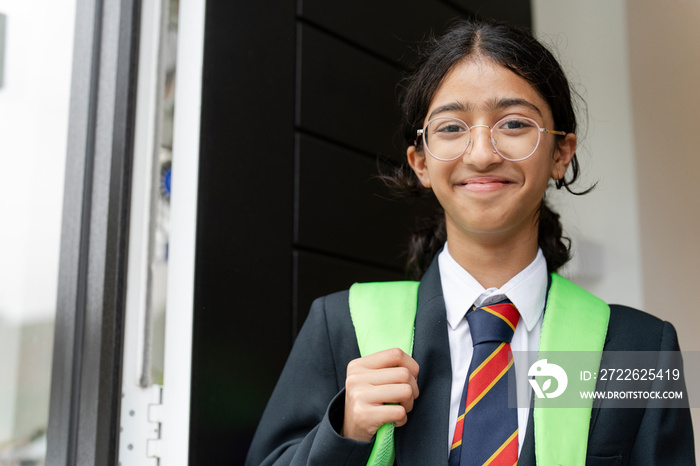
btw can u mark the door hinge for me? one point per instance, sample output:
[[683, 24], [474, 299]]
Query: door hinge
[[140, 428]]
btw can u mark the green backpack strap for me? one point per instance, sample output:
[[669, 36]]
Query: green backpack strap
[[574, 320], [384, 316]]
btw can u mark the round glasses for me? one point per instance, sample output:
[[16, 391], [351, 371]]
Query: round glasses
[[513, 138]]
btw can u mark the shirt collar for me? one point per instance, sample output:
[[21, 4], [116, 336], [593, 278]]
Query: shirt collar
[[527, 290]]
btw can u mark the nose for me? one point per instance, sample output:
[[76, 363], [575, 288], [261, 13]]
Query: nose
[[480, 150]]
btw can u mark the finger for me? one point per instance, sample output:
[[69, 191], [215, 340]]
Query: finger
[[393, 413], [402, 421], [362, 421], [369, 395], [380, 383], [393, 357], [381, 414], [392, 376], [383, 376]]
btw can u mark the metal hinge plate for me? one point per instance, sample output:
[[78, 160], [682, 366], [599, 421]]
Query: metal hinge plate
[[141, 417]]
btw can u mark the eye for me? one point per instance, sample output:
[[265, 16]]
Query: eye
[[514, 125], [447, 126], [451, 129]]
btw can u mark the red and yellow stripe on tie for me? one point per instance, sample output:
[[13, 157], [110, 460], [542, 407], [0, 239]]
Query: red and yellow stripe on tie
[[480, 382], [505, 311], [487, 377], [505, 452]]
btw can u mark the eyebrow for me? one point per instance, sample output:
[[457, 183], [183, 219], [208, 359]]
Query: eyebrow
[[493, 104], [451, 107], [500, 104]]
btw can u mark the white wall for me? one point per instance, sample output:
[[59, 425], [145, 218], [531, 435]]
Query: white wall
[[665, 63], [9, 361], [33, 132], [592, 45], [639, 61]]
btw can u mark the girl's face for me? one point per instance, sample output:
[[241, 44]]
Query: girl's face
[[487, 198]]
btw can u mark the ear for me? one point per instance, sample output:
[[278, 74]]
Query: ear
[[564, 153], [417, 161]]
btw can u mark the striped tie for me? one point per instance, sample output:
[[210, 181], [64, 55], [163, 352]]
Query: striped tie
[[491, 428]]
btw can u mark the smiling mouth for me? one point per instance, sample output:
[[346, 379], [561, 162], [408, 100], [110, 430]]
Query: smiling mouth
[[485, 185]]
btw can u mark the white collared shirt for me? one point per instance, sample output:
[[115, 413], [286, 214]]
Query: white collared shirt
[[527, 291]]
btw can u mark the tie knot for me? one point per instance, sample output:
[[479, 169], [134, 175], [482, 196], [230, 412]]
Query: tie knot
[[495, 322]]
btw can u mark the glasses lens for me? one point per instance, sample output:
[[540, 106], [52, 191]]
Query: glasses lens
[[516, 138], [446, 138]]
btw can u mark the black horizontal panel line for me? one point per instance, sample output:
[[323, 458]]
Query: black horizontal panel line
[[373, 53], [384, 158], [342, 257]]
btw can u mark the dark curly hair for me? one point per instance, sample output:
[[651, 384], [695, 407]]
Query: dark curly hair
[[513, 48]]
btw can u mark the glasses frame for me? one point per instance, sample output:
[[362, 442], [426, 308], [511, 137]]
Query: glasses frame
[[420, 133]]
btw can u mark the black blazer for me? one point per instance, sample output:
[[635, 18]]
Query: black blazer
[[304, 414]]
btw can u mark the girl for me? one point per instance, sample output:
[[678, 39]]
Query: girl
[[488, 122]]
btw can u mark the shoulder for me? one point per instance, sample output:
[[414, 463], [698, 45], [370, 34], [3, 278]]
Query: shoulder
[[329, 319], [331, 310], [630, 329]]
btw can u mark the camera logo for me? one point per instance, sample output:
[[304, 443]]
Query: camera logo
[[543, 369]]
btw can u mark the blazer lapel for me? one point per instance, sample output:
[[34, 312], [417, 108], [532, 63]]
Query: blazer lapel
[[423, 440], [527, 453]]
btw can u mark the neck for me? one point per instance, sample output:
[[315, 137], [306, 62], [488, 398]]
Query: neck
[[493, 263]]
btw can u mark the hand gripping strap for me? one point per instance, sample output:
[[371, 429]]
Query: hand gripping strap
[[574, 320], [384, 316]]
